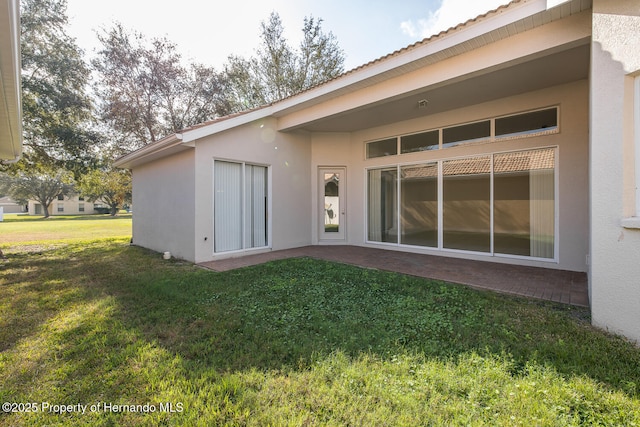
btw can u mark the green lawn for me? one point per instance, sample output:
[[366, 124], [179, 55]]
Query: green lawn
[[293, 342], [36, 230]]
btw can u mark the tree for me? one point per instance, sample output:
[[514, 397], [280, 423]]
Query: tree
[[145, 91], [278, 70], [113, 187], [44, 188], [57, 113]]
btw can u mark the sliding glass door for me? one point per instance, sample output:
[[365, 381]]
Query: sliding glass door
[[501, 203], [524, 203], [419, 205], [466, 204], [240, 206]]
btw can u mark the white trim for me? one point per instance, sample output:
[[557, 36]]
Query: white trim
[[636, 131], [244, 249], [11, 142]]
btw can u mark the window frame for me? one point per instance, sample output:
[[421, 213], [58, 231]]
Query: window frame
[[492, 137], [440, 248], [243, 196], [636, 131], [531, 132]]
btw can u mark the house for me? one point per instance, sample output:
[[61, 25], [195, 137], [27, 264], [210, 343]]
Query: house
[[511, 138], [10, 67], [8, 205], [72, 204]]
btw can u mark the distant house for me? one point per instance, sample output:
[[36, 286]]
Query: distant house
[[10, 206], [511, 138], [10, 67], [68, 205]]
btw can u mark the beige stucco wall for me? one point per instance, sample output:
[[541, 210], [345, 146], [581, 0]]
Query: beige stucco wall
[[288, 157], [572, 142], [163, 205], [615, 250]]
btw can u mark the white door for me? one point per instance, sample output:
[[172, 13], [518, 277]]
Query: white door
[[332, 215]]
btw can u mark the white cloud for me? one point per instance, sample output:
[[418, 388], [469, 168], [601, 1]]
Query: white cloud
[[450, 14]]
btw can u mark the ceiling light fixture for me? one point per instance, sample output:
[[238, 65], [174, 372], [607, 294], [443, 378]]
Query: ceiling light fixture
[[422, 104]]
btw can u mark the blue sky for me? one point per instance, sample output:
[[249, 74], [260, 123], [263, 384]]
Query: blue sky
[[208, 31]]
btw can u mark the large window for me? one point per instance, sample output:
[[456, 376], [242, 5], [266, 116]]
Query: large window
[[419, 205], [383, 206], [524, 203], [466, 205], [240, 206], [501, 203]]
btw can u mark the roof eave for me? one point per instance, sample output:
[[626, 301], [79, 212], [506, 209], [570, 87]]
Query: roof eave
[[161, 148], [10, 81]]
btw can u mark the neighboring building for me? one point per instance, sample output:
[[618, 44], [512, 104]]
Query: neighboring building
[[10, 206], [68, 205], [10, 68], [512, 138]]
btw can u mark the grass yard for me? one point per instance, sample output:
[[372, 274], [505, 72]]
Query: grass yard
[[36, 230], [299, 342]]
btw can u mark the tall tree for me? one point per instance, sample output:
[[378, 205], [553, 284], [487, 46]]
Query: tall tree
[[145, 91], [32, 185], [57, 112], [278, 70]]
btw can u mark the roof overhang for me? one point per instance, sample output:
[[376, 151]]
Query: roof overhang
[[10, 85], [363, 98], [468, 65], [164, 147]]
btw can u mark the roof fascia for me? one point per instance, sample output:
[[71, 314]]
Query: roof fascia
[[189, 136], [146, 153], [10, 81]]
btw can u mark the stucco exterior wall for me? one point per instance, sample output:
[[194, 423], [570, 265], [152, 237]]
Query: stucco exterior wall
[[615, 250], [163, 201], [572, 142], [288, 157]]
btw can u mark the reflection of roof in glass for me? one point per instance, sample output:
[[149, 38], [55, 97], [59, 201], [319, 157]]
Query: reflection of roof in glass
[[524, 160], [519, 161]]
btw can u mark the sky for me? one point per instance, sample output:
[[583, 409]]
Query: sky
[[208, 31]]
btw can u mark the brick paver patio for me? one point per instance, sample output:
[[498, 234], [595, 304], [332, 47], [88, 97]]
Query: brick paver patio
[[562, 286]]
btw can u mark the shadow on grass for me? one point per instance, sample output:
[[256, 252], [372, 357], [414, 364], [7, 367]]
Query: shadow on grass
[[286, 313], [119, 320]]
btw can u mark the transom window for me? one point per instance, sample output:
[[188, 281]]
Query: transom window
[[531, 123]]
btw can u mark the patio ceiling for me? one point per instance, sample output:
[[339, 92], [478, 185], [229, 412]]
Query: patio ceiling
[[529, 75]]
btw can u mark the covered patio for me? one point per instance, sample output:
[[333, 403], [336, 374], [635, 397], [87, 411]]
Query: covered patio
[[566, 287]]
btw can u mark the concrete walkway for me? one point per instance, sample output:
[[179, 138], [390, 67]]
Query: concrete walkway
[[561, 286]]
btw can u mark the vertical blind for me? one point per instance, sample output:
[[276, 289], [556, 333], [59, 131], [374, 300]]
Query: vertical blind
[[240, 206]]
